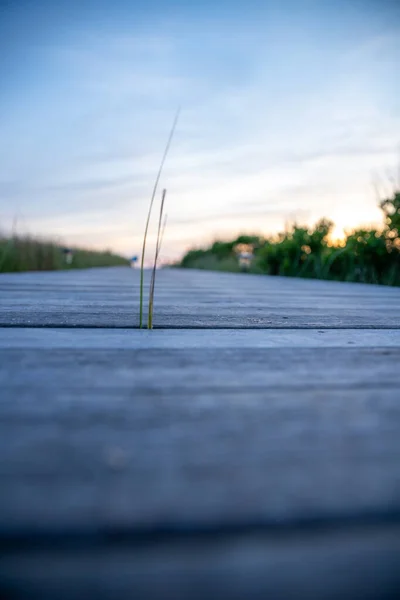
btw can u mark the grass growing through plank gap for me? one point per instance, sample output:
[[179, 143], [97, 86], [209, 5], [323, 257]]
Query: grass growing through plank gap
[[171, 135], [163, 230], [160, 233]]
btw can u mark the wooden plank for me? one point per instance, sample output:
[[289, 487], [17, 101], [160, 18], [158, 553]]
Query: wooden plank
[[185, 298], [223, 463], [95, 437], [252, 339], [354, 564]]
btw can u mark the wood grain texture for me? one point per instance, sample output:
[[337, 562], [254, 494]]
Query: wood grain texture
[[168, 339], [349, 564], [249, 448], [201, 434], [186, 298]]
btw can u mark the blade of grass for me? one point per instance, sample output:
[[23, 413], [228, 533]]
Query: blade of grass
[[153, 275], [163, 230], [171, 135]]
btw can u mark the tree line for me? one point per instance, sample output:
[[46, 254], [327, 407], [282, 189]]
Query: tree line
[[368, 255]]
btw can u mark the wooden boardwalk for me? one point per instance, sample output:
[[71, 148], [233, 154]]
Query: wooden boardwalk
[[248, 447]]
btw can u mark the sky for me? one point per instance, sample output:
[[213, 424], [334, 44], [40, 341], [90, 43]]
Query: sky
[[290, 111]]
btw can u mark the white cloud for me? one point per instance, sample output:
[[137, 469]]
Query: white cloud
[[283, 145]]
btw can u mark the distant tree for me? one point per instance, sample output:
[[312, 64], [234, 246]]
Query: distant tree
[[391, 210], [368, 255]]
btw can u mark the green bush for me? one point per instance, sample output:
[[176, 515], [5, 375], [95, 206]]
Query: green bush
[[367, 255]]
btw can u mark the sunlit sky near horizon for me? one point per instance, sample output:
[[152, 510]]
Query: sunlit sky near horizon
[[290, 109]]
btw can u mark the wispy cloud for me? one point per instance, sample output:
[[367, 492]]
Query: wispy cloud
[[283, 117]]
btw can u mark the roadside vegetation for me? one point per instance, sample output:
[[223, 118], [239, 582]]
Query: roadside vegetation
[[27, 253], [365, 255]]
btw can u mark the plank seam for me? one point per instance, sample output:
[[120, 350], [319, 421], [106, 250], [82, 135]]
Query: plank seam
[[23, 539], [204, 328]]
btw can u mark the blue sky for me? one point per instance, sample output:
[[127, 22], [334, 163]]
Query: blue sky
[[290, 109]]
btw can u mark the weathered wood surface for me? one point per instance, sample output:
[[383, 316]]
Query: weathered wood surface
[[247, 462], [168, 339], [348, 563], [198, 435], [187, 299]]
